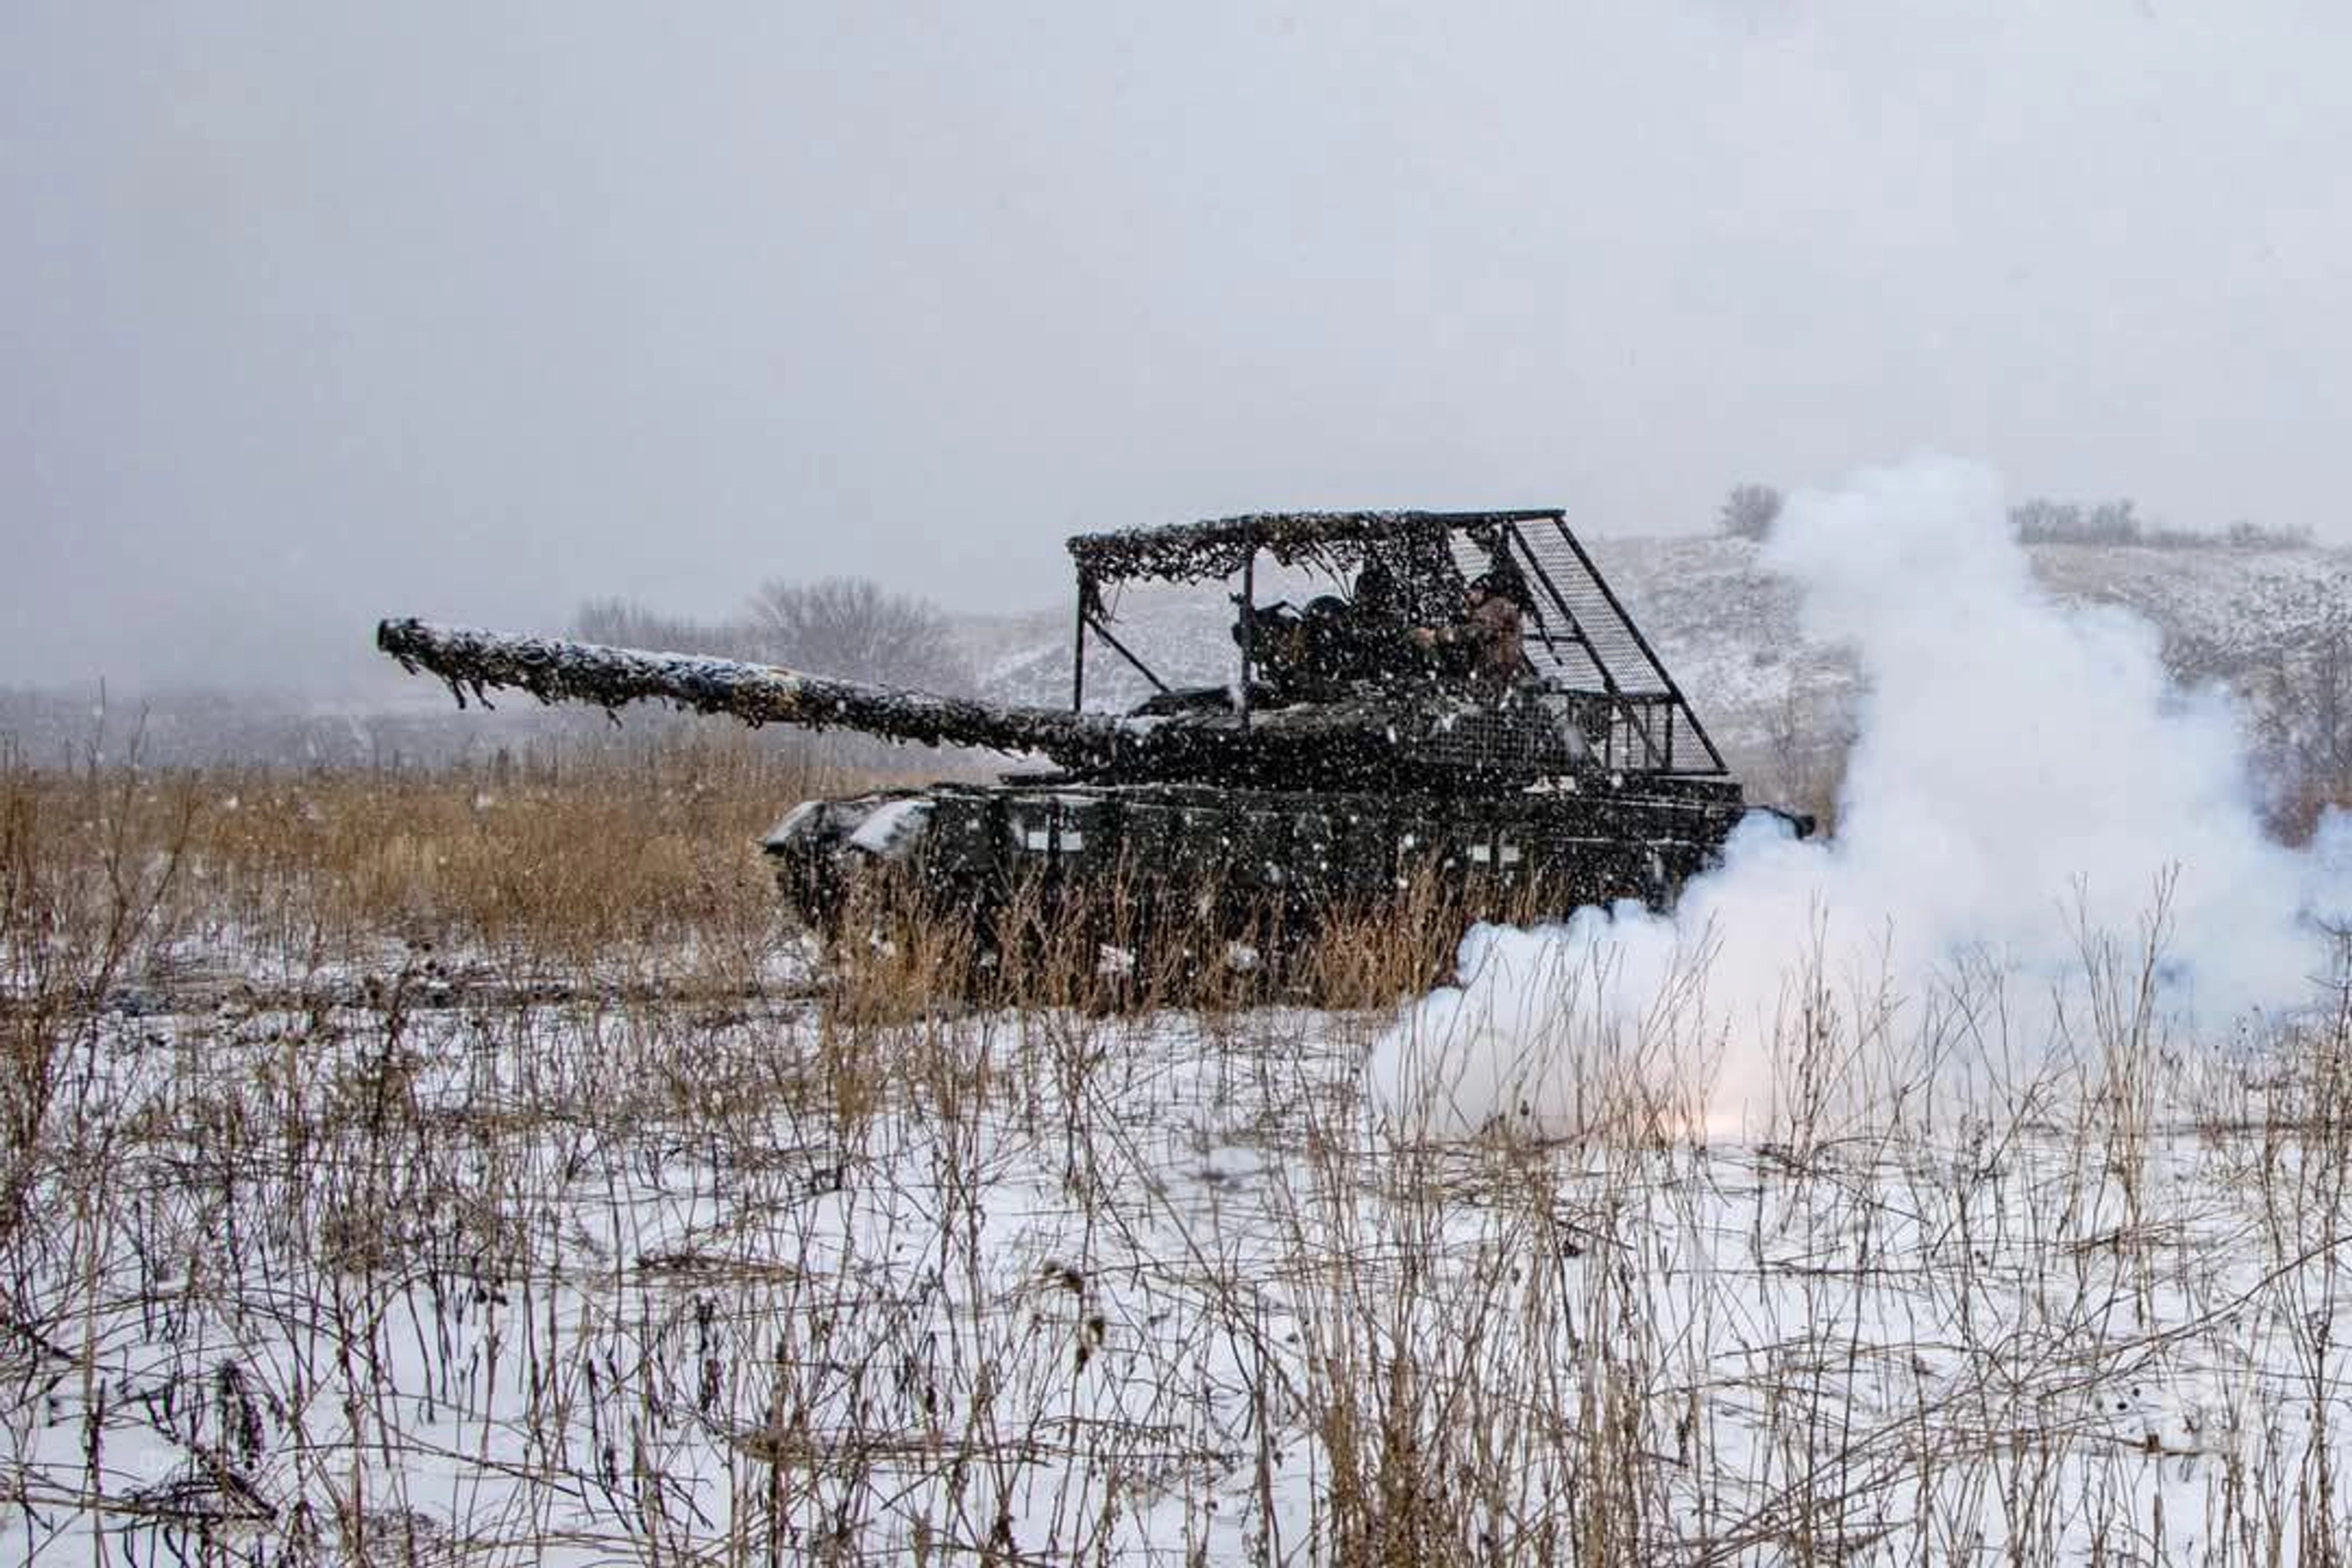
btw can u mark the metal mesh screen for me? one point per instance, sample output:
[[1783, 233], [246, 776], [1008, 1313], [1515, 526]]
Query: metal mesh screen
[[1594, 674], [1574, 633]]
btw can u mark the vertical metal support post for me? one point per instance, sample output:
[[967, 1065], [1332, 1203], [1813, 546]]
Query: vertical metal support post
[[1248, 628], [1078, 657]]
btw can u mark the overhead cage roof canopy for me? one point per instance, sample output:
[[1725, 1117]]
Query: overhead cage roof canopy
[[1203, 552]]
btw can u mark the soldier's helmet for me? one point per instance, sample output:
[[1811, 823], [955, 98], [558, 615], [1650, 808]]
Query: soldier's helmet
[[1500, 582]]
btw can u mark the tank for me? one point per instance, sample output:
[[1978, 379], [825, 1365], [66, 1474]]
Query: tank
[[1470, 707]]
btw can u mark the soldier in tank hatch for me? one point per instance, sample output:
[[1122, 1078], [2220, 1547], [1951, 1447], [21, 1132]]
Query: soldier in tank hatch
[[1485, 646], [1314, 654], [1276, 639], [1378, 629]]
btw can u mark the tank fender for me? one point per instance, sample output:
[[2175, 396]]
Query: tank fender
[[888, 826]]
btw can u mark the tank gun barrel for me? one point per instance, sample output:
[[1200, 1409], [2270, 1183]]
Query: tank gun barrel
[[555, 670]]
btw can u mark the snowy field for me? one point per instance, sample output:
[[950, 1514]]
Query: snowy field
[[755, 1279]]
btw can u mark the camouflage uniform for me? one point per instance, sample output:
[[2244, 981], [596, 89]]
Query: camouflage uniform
[[1489, 634]]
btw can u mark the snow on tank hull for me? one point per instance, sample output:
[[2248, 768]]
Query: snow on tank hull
[[1219, 851]]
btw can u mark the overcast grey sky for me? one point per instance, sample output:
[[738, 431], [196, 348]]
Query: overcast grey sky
[[314, 312]]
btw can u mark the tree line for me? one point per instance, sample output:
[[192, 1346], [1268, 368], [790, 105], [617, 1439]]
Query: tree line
[[1749, 510]]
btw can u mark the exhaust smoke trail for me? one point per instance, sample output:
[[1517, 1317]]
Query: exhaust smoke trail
[[2026, 779]]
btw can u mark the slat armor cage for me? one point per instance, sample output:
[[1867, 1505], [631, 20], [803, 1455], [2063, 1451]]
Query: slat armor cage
[[1584, 656]]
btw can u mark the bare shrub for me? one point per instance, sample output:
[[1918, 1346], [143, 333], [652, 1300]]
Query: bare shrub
[[852, 626], [625, 622], [1748, 511]]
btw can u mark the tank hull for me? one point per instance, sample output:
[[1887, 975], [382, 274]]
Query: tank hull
[[1226, 854]]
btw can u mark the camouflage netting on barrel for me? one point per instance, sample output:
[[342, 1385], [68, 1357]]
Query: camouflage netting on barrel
[[555, 671]]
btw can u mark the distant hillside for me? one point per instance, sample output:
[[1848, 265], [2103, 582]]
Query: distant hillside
[[1729, 630]]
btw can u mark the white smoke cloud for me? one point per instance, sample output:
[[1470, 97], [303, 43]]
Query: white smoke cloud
[[2328, 891], [2025, 776]]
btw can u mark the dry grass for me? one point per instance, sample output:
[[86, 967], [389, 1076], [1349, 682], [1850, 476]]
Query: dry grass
[[630, 845], [364, 1266]]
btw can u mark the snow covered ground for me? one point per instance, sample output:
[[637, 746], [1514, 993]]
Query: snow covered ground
[[755, 1279]]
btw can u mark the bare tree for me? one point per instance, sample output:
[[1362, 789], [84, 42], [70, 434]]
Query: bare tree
[[1749, 511], [625, 622], [850, 627], [2037, 520], [2113, 523]]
